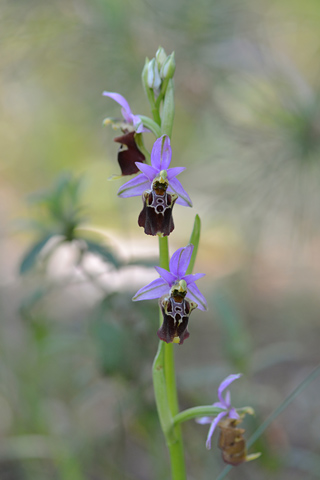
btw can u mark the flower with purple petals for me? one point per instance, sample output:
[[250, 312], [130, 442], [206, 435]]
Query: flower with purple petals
[[159, 172], [224, 404], [179, 296], [128, 153], [128, 116], [175, 280], [159, 188]]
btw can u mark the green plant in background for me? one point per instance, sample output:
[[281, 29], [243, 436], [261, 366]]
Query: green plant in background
[[61, 219]]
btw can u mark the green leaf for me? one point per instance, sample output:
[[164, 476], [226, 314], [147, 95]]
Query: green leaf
[[102, 251], [168, 110], [30, 257], [194, 240]]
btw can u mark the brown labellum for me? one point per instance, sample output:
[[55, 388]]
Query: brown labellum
[[156, 215], [231, 442], [176, 311], [128, 153]]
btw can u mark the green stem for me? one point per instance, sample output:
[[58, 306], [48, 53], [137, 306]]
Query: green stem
[[160, 389], [164, 380], [163, 253], [166, 391], [202, 411], [194, 412], [139, 142], [313, 375]]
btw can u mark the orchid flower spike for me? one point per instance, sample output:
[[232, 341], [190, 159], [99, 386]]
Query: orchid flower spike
[[159, 172], [179, 296], [175, 281], [127, 114], [224, 404]]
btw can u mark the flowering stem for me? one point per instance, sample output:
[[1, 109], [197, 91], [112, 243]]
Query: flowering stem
[[164, 380], [139, 142], [163, 253], [166, 391]]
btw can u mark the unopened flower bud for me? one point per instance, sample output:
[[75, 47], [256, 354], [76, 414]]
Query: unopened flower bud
[[153, 79], [168, 68], [161, 57]]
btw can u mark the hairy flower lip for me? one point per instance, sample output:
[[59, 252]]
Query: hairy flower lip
[[178, 266], [176, 311]]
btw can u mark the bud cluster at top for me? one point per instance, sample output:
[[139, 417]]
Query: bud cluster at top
[[158, 69]]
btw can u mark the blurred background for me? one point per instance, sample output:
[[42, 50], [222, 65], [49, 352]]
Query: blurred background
[[76, 398]]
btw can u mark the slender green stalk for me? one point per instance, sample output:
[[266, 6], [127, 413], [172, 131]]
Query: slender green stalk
[[139, 142], [160, 389], [164, 380], [166, 393], [203, 411], [194, 412], [163, 253], [313, 375]]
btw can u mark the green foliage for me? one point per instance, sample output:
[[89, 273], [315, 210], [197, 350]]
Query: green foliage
[[31, 256], [194, 240], [61, 215]]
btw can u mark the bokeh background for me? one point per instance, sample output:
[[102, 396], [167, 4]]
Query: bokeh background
[[76, 399]]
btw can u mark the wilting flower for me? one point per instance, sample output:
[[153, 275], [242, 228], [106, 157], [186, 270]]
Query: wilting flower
[[129, 118], [128, 153], [231, 440], [178, 294], [224, 404], [159, 188]]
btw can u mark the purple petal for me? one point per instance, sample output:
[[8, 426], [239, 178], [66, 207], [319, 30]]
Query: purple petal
[[134, 187], [149, 171], [180, 261], [233, 414], [225, 383], [219, 405], [161, 153], [193, 277], [176, 187], [227, 399], [212, 428], [195, 295], [155, 289], [204, 420], [137, 123], [173, 172], [167, 276], [126, 110]]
